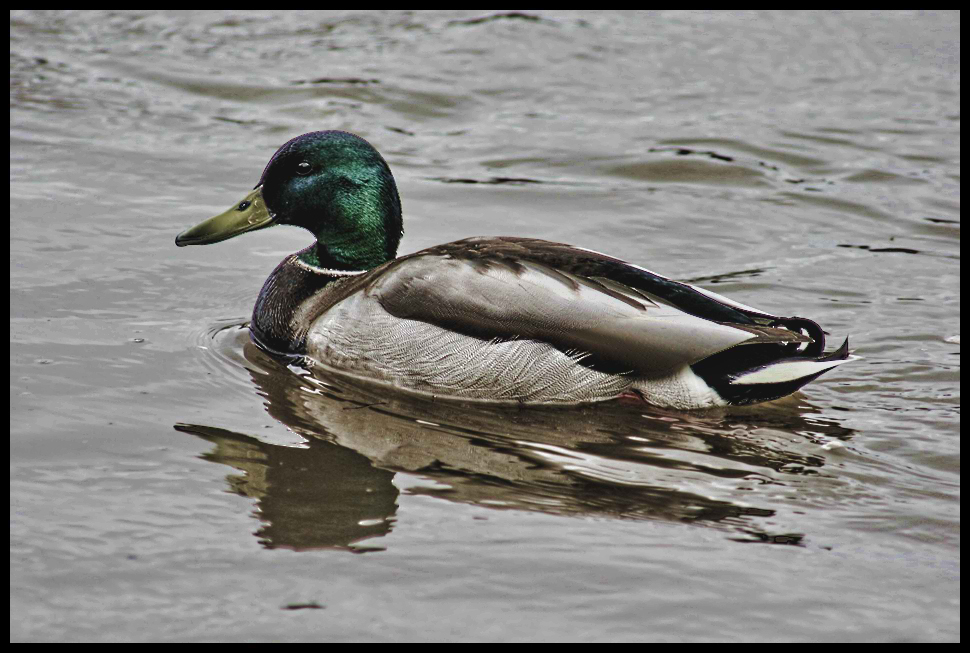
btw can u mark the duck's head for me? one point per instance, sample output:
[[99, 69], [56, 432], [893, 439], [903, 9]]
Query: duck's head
[[334, 184]]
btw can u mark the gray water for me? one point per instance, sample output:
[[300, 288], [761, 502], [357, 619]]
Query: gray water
[[169, 481]]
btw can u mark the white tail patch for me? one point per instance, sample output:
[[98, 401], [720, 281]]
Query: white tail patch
[[787, 371]]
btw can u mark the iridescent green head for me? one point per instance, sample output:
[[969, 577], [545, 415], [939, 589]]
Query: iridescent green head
[[334, 184]]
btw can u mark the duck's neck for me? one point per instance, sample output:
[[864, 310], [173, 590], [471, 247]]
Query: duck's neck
[[350, 256]]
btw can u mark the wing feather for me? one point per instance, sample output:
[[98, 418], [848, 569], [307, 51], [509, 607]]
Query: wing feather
[[506, 299]]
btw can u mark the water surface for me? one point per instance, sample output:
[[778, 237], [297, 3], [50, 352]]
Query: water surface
[[169, 481]]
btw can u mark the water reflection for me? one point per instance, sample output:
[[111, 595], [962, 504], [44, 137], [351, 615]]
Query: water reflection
[[617, 460], [324, 496]]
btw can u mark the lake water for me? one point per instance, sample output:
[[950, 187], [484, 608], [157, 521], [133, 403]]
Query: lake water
[[169, 481]]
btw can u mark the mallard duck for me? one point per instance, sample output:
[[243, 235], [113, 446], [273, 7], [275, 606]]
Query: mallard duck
[[496, 319]]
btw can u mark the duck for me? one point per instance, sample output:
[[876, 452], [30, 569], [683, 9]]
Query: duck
[[493, 319]]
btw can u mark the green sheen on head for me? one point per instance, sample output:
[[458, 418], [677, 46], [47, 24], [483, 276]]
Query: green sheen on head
[[334, 184]]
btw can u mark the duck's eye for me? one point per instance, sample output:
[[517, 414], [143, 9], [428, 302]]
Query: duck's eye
[[243, 205], [303, 168]]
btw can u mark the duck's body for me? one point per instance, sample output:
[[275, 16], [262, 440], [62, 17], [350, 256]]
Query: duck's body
[[494, 319]]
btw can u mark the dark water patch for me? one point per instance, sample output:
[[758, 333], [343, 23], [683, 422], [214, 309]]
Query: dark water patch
[[683, 151], [509, 15], [493, 181], [890, 250], [728, 276], [351, 81]]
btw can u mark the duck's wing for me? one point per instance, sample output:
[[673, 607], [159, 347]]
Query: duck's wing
[[620, 317]]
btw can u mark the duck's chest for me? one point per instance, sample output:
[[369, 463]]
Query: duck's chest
[[291, 298]]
